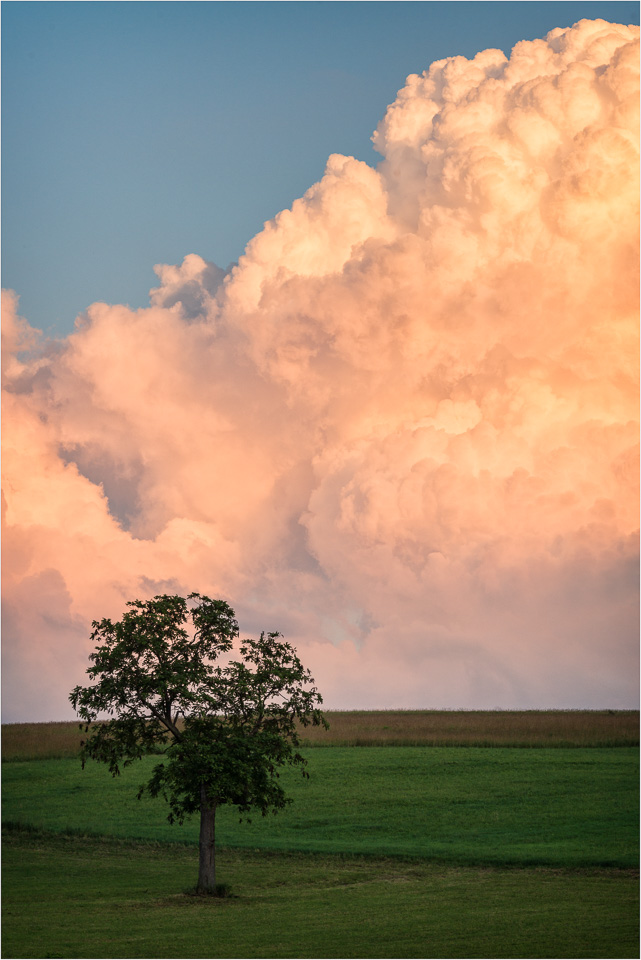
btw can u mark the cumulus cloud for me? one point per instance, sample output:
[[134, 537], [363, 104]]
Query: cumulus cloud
[[402, 429]]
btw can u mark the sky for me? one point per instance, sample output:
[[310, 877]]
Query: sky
[[135, 133], [329, 310]]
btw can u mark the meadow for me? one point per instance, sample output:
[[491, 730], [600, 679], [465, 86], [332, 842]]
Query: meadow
[[390, 851]]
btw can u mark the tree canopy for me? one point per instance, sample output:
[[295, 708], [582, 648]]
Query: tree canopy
[[165, 679]]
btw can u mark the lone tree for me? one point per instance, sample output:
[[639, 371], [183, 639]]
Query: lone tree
[[223, 730]]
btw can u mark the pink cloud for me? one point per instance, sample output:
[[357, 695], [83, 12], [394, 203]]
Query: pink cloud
[[403, 430]]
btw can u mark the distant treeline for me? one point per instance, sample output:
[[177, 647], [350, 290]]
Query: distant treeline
[[362, 728]]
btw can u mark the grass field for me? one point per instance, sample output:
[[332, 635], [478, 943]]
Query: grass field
[[561, 807], [401, 851], [83, 898]]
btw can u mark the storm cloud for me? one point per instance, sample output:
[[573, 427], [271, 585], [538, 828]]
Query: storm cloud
[[402, 430]]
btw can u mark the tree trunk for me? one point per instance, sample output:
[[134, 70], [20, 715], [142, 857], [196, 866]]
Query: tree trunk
[[207, 844]]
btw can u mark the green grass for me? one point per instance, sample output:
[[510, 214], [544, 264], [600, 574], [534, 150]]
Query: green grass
[[556, 807], [436, 728], [386, 852], [85, 898]]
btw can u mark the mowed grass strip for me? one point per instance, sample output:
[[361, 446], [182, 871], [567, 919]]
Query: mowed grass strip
[[85, 898], [557, 807], [518, 728]]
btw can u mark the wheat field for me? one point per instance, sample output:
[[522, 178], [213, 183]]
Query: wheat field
[[464, 728]]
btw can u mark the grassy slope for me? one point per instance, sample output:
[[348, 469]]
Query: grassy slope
[[69, 896], [83, 898], [574, 807]]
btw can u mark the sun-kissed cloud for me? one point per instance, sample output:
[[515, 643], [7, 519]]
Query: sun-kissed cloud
[[402, 430]]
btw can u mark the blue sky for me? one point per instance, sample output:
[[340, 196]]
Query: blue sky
[[136, 133]]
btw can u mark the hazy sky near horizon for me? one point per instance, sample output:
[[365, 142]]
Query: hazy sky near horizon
[[135, 133], [402, 428]]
